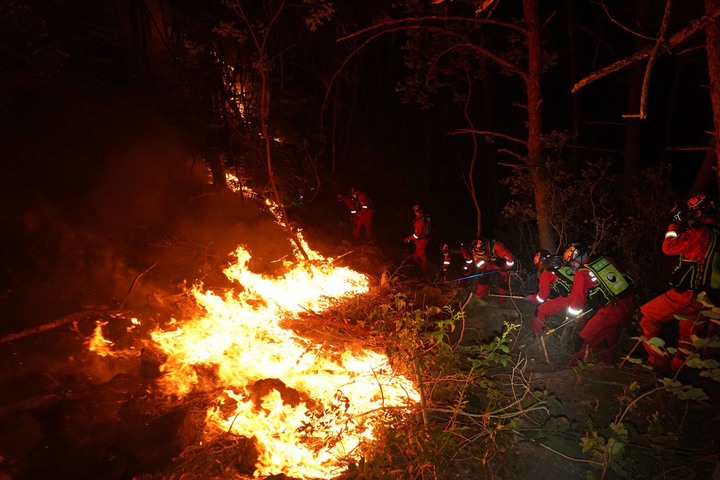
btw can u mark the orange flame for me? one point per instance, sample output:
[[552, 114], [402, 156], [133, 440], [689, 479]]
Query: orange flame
[[309, 407], [97, 343]]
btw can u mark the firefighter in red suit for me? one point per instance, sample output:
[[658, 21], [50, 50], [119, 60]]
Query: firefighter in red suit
[[419, 238], [447, 258], [600, 286], [492, 256], [364, 215], [692, 236], [361, 212], [554, 286], [467, 256]]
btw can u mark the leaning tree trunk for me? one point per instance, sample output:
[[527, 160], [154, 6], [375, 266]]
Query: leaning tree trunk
[[712, 45], [538, 172]]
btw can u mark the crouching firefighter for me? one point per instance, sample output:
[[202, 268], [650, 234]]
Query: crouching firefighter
[[600, 286], [492, 258], [694, 236], [554, 285]]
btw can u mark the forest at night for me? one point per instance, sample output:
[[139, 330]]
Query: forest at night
[[314, 239]]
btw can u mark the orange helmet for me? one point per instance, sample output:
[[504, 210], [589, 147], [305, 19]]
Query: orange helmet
[[540, 256], [575, 252], [479, 245], [697, 201]]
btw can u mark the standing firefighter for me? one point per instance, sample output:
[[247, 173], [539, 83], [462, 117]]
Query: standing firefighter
[[364, 215], [419, 237], [598, 285], [361, 212], [492, 258], [693, 236], [554, 286]]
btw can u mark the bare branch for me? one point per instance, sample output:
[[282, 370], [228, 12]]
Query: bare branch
[[465, 42], [440, 18], [522, 158], [489, 133], [681, 36], [627, 29]]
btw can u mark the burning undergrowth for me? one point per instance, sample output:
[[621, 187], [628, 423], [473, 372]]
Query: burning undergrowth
[[283, 403]]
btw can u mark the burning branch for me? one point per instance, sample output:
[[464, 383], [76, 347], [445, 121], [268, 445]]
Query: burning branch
[[73, 317], [132, 285]]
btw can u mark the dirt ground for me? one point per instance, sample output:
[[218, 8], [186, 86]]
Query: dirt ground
[[594, 394]]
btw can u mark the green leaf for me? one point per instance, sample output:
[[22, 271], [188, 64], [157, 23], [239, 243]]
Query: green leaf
[[615, 446], [710, 363], [657, 342], [691, 394], [699, 343], [703, 298]]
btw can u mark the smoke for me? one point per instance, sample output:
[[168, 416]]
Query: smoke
[[97, 193]]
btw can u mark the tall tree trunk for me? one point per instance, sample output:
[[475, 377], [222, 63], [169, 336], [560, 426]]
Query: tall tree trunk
[[538, 171], [712, 45]]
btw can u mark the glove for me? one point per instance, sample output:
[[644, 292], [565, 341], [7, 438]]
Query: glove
[[680, 216]]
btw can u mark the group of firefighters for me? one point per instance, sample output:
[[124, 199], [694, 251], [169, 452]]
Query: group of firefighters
[[591, 289], [593, 292]]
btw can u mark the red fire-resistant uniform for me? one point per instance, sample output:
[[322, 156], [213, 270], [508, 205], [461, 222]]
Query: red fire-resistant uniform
[[498, 258], [547, 306], [350, 204], [467, 256], [691, 244], [418, 237], [606, 324], [447, 258], [363, 217], [361, 213]]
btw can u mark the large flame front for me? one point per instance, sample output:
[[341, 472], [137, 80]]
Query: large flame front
[[309, 407]]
